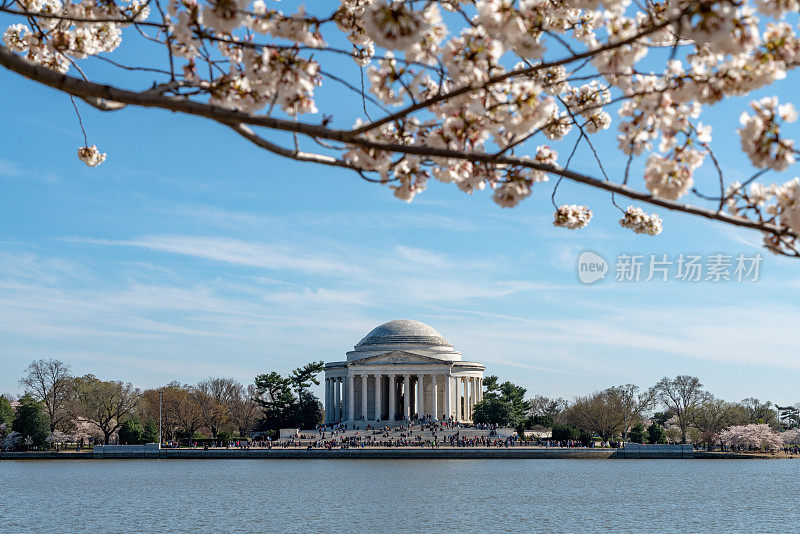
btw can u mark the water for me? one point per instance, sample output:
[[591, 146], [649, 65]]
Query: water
[[393, 495]]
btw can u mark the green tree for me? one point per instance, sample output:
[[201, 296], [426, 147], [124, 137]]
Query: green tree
[[131, 431], [515, 396], [585, 437], [6, 411], [662, 417], [224, 437], [492, 411], [302, 378], [491, 384], [150, 434], [656, 434], [502, 404], [31, 421], [274, 395], [310, 412], [565, 432], [637, 433]]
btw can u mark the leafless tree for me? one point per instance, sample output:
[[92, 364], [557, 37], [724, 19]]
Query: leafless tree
[[105, 404], [712, 416], [49, 381], [547, 407], [245, 411], [681, 395], [760, 412], [606, 412], [183, 404], [216, 396]]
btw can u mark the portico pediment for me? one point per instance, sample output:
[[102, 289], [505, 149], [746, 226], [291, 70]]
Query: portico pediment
[[398, 357]]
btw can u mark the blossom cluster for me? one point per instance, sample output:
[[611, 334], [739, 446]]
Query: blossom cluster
[[761, 136], [791, 437], [778, 204], [62, 33], [753, 436], [91, 156], [672, 177], [572, 216], [640, 222]]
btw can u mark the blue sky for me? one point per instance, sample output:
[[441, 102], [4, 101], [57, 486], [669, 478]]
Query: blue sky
[[190, 253]]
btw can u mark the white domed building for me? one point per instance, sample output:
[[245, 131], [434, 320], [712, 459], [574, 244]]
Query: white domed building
[[402, 370]]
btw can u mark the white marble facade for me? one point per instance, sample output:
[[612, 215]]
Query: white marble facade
[[402, 370]]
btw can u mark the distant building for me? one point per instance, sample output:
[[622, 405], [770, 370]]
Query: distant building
[[402, 370]]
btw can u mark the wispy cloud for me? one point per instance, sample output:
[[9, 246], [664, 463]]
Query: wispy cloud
[[9, 168], [13, 169], [228, 250]]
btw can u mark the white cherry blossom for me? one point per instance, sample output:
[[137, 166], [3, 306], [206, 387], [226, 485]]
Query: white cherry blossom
[[640, 222], [91, 156], [572, 216]]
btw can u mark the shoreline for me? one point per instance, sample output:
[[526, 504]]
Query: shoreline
[[398, 453]]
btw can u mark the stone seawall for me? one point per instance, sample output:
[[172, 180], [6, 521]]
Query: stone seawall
[[465, 453], [655, 452], [455, 453]]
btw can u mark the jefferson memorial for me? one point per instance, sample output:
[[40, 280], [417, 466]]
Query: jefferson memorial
[[402, 370]]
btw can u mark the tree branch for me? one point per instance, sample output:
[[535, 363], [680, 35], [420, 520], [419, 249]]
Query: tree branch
[[254, 138], [83, 88]]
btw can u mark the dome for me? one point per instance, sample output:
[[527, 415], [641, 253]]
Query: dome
[[402, 331]]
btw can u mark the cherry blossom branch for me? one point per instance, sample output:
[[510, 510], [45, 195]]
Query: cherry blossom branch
[[83, 89], [510, 74]]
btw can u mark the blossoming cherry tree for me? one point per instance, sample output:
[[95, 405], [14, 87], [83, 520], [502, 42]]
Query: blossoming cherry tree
[[491, 95]]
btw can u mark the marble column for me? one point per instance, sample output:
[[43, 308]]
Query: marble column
[[448, 397], [364, 410], [337, 395], [332, 411], [466, 399], [465, 394], [458, 400], [378, 407], [420, 396], [331, 404], [327, 399], [392, 400], [351, 394], [471, 396], [344, 398], [434, 399], [407, 397]]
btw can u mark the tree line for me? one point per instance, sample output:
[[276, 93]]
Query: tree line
[[58, 407], [676, 409]]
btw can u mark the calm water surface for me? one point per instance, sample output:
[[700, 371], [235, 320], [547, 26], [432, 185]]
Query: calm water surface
[[400, 495]]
